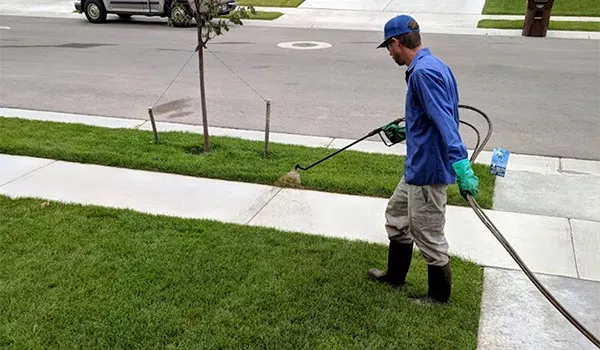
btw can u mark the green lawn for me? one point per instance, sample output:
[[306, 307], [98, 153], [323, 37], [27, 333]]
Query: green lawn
[[553, 25], [262, 15], [350, 172], [270, 3], [75, 277], [559, 8]]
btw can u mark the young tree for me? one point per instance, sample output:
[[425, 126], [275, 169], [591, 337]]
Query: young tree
[[206, 13]]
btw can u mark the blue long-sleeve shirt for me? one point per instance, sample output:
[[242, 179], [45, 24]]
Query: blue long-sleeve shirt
[[433, 141]]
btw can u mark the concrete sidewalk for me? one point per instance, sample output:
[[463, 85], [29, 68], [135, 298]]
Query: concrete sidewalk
[[548, 245], [514, 314]]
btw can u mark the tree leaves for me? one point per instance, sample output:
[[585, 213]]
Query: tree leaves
[[211, 27]]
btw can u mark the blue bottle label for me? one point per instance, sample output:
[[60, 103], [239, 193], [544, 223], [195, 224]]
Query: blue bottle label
[[499, 162]]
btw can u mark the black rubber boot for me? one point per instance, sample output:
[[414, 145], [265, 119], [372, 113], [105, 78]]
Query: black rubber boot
[[439, 279], [399, 259]]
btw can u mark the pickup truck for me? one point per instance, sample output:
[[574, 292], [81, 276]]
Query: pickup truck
[[180, 12]]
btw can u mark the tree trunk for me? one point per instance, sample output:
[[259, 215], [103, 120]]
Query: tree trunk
[[199, 25], [203, 98]]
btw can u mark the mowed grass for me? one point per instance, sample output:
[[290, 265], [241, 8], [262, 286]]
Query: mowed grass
[[553, 25], [350, 172], [588, 8], [77, 277], [261, 15], [271, 3]]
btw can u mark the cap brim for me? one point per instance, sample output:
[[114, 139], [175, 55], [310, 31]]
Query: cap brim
[[383, 44]]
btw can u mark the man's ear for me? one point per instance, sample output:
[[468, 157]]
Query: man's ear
[[393, 42], [400, 44]]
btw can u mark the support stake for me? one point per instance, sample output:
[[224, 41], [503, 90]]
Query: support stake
[[267, 122], [151, 113]]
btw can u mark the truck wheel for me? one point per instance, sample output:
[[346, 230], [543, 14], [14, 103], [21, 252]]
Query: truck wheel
[[94, 11], [179, 15]]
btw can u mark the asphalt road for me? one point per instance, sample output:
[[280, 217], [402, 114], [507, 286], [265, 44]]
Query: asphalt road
[[543, 95]]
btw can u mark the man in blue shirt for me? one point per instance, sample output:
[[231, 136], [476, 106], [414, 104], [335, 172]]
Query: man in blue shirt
[[436, 157]]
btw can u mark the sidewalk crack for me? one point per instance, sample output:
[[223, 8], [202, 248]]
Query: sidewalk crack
[[28, 173], [140, 125], [386, 6], [573, 246], [264, 206], [331, 142], [560, 168]]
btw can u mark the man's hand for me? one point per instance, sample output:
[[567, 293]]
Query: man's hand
[[467, 181], [394, 132]]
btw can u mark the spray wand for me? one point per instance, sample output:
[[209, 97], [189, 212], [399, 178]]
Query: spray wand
[[372, 133], [292, 179]]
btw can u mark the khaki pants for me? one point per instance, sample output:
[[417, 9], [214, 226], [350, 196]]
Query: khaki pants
[[418, 213]]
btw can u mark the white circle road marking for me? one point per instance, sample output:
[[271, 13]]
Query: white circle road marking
[[304, 45]]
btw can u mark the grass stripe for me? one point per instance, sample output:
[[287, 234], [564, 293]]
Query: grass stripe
[[590, 8], [270, 3], [553, 25], [350, 172]]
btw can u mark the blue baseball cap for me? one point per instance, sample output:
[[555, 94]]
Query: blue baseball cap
[[397, 26]]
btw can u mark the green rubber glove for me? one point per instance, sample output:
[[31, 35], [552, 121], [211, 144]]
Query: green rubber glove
[[394, 132], [467, 181]]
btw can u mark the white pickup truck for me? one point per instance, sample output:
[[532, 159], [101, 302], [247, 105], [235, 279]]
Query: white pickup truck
[[180, 12]]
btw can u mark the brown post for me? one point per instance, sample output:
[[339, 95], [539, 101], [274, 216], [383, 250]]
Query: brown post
[[151, 113], [267, 126]]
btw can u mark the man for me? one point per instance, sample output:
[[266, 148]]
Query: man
[[436, 157]]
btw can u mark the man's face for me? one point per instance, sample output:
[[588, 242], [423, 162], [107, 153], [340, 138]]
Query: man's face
[[395, 50]]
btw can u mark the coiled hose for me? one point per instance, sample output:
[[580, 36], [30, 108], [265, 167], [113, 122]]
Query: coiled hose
[[490, 225]]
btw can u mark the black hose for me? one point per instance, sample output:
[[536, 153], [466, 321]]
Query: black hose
[[478, 150], [490, 225], [478, 138]]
